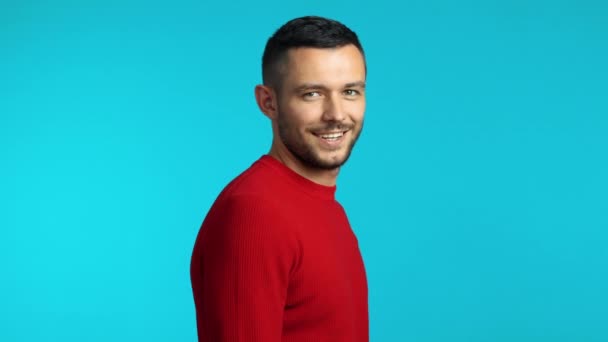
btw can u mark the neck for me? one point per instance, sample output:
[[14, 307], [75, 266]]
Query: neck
[[319, 176]]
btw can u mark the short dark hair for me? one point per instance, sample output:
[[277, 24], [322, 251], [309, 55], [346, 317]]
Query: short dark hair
[[309, 31]]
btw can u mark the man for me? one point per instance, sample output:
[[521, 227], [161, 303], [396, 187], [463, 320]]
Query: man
[[276, 259]]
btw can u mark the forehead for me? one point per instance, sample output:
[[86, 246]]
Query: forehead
[[328, 66]]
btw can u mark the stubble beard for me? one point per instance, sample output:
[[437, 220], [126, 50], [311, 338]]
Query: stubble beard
[[305, 152]]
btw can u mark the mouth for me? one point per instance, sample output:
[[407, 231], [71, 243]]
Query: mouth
[[331, 135], [332, 138]]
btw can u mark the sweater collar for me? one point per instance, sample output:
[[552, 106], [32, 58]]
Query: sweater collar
[[314, 189]]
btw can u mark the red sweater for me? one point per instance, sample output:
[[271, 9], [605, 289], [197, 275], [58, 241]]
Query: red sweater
[[276, 260]]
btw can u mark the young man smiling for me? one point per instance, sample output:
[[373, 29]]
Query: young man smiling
[[276, 259]]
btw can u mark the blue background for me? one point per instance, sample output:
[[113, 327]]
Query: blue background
[[478, 190]]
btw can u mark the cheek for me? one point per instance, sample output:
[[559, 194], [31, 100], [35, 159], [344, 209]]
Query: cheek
[[357, 110], [301, 115]]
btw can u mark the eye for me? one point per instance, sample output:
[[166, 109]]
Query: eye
[[311, 94], [351, 92]]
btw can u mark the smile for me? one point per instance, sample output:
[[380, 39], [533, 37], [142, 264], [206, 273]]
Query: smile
[[331, 137]]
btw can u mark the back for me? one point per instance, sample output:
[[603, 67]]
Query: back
[[276, 260]]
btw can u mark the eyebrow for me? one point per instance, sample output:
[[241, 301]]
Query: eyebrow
[[360, 84], [305, 86]]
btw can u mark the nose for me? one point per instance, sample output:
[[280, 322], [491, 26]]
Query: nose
[[333, 109]]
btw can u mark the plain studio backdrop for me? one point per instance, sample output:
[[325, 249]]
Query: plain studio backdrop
[[478, 190]]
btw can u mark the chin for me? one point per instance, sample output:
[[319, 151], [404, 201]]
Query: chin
[[331, 163]]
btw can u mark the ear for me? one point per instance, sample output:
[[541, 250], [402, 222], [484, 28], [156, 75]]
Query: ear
[[267, 100]]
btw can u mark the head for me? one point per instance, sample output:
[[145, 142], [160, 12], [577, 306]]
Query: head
[[314, 91]]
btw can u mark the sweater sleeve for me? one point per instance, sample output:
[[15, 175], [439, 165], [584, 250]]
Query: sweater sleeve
[[240, 272]]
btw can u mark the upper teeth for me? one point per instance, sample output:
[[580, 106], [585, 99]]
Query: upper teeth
[[332, 135]]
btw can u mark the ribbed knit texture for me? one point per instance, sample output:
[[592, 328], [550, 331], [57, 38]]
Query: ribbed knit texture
[[276, 260]]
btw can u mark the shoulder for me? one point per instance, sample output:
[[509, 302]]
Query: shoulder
[[250, 205], [247, 207], [258, 181], [252, 202], [244, 224]]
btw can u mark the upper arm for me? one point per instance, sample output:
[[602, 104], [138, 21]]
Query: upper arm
[[240, 271]]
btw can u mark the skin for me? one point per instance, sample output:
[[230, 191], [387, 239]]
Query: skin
[[322, 91]]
